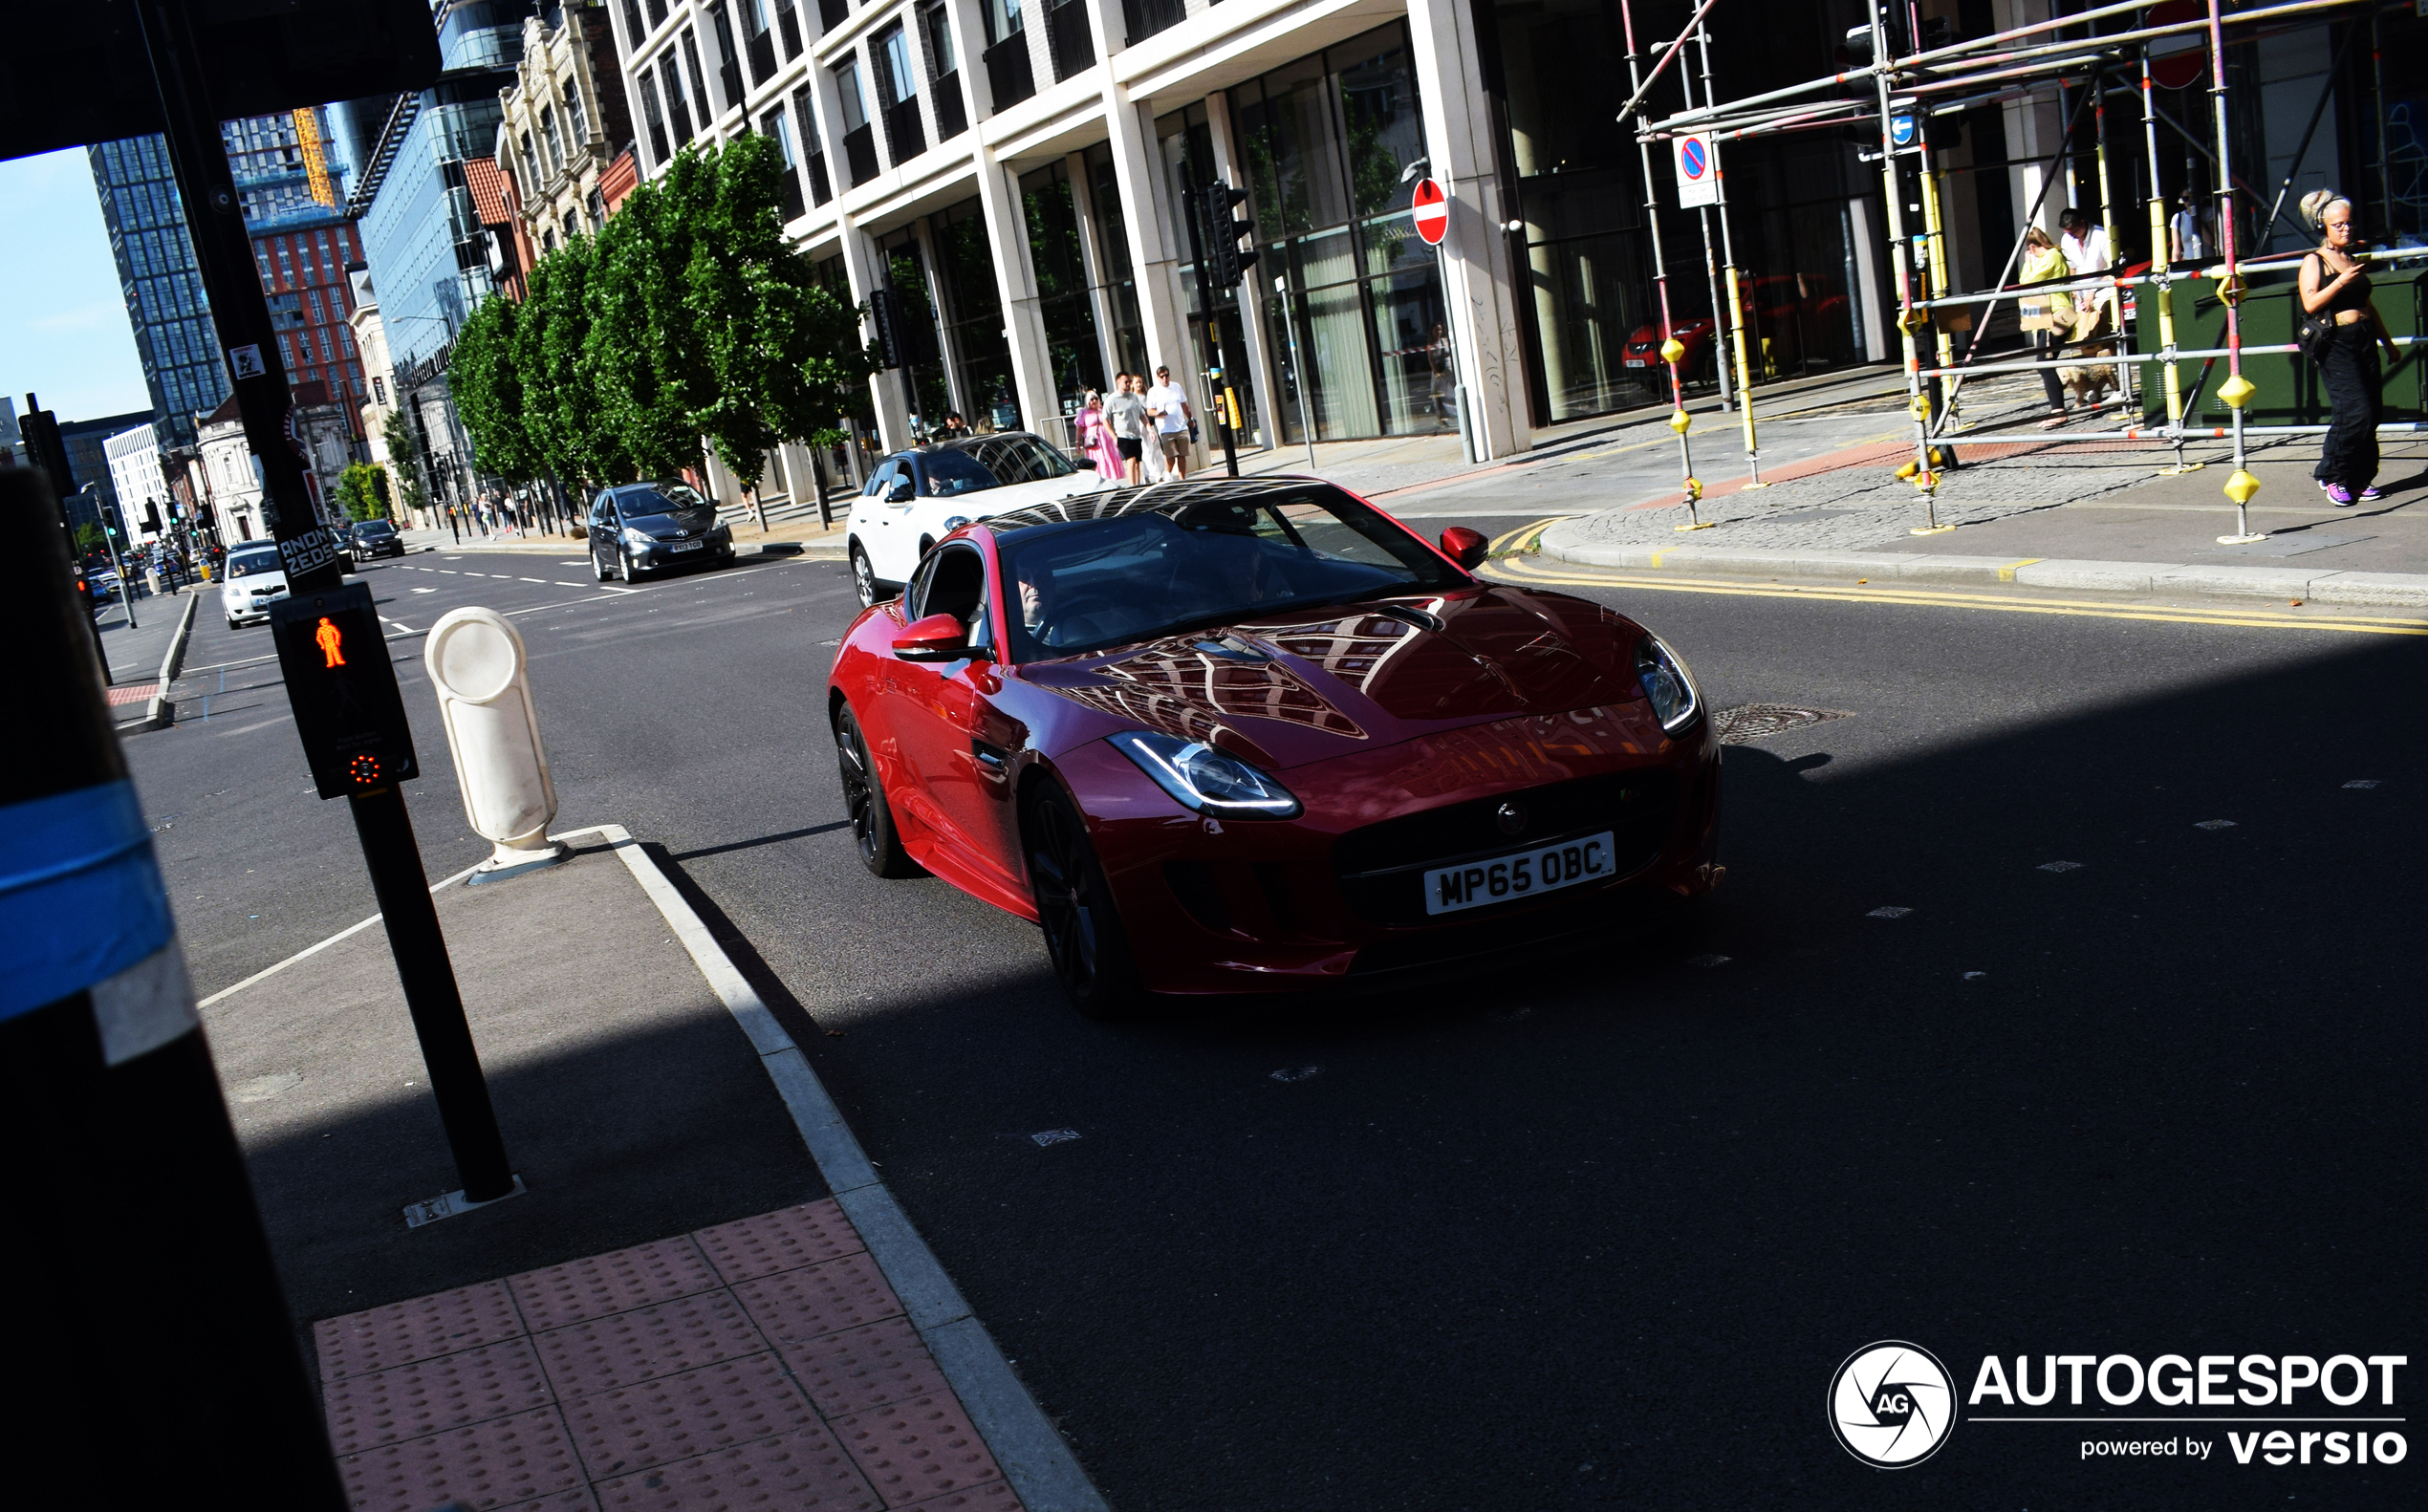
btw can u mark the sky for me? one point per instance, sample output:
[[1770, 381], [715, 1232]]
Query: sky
[[63, 330]]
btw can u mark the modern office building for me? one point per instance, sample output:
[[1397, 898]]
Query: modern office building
[[136, 477], [1014, 167], [87, 445], [292, 177], [162, 287]]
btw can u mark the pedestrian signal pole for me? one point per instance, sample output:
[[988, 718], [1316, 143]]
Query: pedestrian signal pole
[[1221, 263]]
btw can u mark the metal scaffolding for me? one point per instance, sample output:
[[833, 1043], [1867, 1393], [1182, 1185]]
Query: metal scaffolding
[[2029, 61]]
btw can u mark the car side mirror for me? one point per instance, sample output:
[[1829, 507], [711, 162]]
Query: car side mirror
[[901, 493], [1465, 547], [938, 638]]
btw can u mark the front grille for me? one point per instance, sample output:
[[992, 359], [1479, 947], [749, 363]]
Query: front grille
[[1381, 867]]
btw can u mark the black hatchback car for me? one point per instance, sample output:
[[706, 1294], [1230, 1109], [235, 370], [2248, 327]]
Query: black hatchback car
[[369, 539], [642, 528]]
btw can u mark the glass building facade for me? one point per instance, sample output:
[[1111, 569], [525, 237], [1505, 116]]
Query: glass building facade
[[163, 288]]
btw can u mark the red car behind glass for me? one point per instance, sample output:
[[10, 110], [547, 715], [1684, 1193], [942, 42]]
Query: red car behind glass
[[1231, 736]]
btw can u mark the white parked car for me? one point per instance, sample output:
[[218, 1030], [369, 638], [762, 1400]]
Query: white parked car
[[918, 497], [256, 578]]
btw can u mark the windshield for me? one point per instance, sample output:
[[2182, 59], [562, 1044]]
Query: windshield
[[668, 498], [1019, 458], [951, 471], [1097, 583], [375, 527], [252, 563]]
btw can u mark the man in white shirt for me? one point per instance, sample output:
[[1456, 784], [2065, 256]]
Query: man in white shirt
[[1126, 413], [2085, 245], [1170, 409]]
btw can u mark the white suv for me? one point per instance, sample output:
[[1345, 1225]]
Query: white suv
[[256, 579], [918, 497]]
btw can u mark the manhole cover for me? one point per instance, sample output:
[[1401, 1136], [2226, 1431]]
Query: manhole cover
[[1754, 721]]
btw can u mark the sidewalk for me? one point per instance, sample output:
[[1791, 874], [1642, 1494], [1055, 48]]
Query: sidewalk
[[136, 655], [2025, 510], [705, 1299]]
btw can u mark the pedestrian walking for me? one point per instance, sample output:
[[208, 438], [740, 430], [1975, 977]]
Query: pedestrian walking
[[2341, 332], [1173, 419], [2085, 246], [1127, 411], [1095, 436], [2187, 233], [2048, 315]]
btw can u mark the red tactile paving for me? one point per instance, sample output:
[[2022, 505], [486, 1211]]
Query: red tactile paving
[[917, 1449], [629, 1347], [645, 1379], [797, 1305], [750, 1248], [422, 1328], [408, 1401], [719, 1406], [799, 1472], [863, 1368], [593, 1288], [492, 1464]]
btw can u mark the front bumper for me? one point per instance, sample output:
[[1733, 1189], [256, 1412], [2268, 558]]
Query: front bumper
[[1247, 906], [664, 552]]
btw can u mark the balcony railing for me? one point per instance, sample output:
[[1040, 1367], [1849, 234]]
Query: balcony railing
[[903, 131], [1146, 17], [952, 114], [821, 190], [762, 47], [792, 195], [1007, 74], [1069, 40], [859, 154], [834, 12]]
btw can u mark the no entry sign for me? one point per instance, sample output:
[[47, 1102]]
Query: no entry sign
[[2184, 58], [1698, 171], [1430, 208]]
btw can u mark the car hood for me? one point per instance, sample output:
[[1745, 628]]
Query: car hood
[[256, 582], [691, 521], [1293, 689]]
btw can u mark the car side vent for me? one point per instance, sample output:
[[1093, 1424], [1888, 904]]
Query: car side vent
[[1272, 880], [1193, 883]]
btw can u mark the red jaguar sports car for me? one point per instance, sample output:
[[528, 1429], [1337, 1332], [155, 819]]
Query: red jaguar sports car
[[1259, 736]]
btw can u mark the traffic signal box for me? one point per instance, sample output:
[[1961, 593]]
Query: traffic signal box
[[343, 688], [1224, 234]]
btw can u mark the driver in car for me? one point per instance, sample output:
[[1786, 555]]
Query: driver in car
[[1036, 601]]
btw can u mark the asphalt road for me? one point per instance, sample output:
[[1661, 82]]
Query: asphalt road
[[1598, 1231]]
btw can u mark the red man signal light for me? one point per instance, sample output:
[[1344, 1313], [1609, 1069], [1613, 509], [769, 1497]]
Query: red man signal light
[[348, 711], [330, 639]]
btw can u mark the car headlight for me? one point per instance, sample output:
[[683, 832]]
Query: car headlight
[[638, 540], [1669, 685], [1209, 781]]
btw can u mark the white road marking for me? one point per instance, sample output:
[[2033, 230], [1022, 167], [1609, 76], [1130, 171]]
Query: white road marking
[[425, 589], [1975, 976], [542, 581], [1888, 911], [1288, 1074], [2215, 823], [2059, 866], [1049, 1137], [2362, 782], [313, 950]]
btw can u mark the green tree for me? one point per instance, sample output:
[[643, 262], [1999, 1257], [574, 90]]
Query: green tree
[[486, 381], [565, 416], [89, 539], [404, 454], [362, 491], [643, 352], [781, 351]]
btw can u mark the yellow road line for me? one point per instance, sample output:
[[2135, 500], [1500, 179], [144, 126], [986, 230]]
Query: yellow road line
[[2007, 573], [1506, 542], [2380, 625]]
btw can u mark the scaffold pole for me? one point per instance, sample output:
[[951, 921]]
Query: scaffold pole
[[2237, 390], [1670, 349], [1736, 304], [2162, 277]]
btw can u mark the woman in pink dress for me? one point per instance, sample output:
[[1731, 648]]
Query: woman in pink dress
[[1095, 437]]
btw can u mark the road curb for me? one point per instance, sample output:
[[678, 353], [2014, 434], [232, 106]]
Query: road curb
[[1564, 542], [161, 713], [1036, 1462]]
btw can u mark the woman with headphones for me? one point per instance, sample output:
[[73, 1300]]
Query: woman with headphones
[[2341, 332]]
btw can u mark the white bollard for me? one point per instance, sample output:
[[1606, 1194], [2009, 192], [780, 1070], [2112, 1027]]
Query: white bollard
[[476, 661]]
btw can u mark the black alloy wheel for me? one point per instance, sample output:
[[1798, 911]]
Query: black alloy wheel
[[1084, 937], [873, 832], [863, 575]]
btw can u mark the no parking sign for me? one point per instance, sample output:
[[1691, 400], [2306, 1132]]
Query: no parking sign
[[1698, 170]]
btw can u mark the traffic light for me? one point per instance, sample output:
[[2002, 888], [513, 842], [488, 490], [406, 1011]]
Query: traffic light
[[1228, 262], [343, 690], [111, 522]]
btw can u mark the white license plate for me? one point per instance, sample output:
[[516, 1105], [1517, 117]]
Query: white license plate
[[688, 546], [1546, 869], [1635, 362]]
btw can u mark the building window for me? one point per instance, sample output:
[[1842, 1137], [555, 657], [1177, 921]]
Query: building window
[[678, 108], [531, 163], [1008, 73], [657, 123], [760, 37], [699, 80], [1068, 39], [898, 89], [548, 135], [596, 207], [728, 57], [576, 122], [1072, 348], [814, 147], [773, 124], [1146, 17], [633, 29], [952, 114], [788, 22], [860, 139], [657, 13]]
